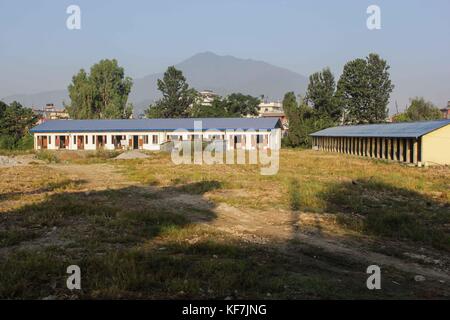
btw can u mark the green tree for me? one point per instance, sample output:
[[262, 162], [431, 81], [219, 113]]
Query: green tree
[[240, 105], [419, 110], [234, 105], [102, 94], [177, 99], [3, 107], [321, 94], [215, 110], [293, 114], [364, 90], [15, 122], [302, 121]]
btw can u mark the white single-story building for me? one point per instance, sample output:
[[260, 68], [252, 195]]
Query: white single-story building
[[151, 134]]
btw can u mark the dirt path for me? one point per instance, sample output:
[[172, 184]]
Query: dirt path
[[94, 176], [278, 228], [275, 227]]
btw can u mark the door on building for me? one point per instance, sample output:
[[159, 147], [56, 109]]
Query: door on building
[[80, 142], [62, 142], [135, 142], [100, 142], [44, 142]]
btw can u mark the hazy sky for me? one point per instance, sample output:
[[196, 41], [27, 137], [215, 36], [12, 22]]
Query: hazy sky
[[38, 52]]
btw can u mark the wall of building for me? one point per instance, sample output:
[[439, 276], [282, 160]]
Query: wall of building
[[269, 139], [436, 147], [90, 144]]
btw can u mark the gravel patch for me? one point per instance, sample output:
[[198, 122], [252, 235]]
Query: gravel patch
[[134, 154]]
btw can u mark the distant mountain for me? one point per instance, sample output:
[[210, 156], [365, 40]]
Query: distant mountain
[[40, 99], [222, 74]]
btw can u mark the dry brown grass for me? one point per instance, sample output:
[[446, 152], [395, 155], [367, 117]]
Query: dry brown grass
[[150, 229]]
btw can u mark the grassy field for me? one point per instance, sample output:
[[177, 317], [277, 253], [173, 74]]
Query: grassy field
[[150, 229]]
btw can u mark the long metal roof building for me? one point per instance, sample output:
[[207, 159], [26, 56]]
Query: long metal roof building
[[157, 134], [424, 142], [389, 130], [155, 125]]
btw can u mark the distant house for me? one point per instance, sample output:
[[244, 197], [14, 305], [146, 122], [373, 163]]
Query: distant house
[[50, 112], [270, 107], [207, 97], [151, 134], [424, 142], [273, 110], [446, 111]]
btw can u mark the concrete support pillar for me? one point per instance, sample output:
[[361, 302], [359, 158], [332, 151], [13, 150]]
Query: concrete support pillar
[[408, 150], [372, 147], [415, 152], [395, 149], [401, 155], [390, 147], [360, 142]]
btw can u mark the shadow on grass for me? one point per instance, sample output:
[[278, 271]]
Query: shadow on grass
[[375, 207], [135, 242], [132, 245]]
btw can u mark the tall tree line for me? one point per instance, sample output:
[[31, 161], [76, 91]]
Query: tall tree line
[[360, 96]]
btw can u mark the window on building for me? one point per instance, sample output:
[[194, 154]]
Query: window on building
[[86, 139], [49, 139], [93, 139], [146, 139], [155, 139], [74, 139]]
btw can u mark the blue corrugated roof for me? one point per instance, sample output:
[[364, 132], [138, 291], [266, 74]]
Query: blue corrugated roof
[[155, 124], [388, 130]]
